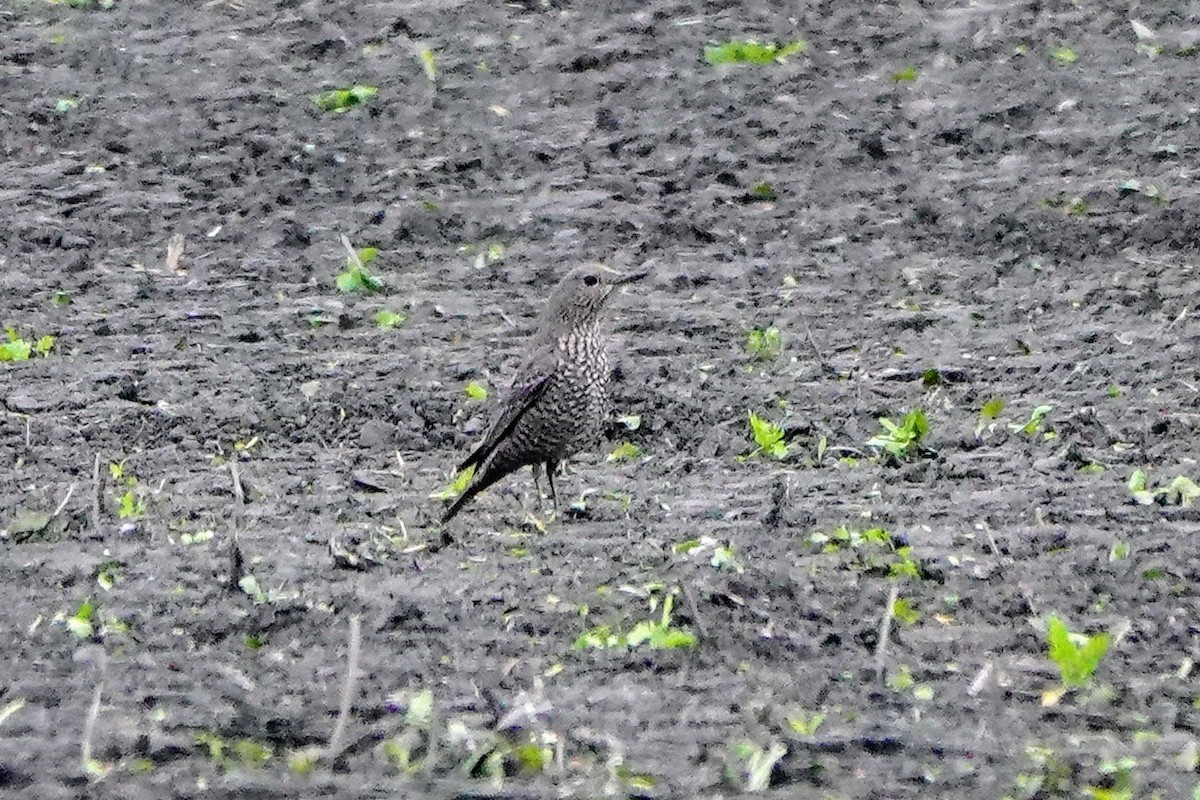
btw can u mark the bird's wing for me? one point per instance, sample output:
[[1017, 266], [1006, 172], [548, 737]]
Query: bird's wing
[[529, 385]]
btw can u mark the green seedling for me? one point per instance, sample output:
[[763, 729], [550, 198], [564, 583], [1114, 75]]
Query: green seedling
[[1118, 780], [80, 623], [763, 192], [401, 750], [476, 391], [765, 344], [905, 612], [229, 756], [1034, 424], [749, 766], [429, 64], [906, 75], [64, 105], [1064, 56], [457, 486], [61, 299], [1072, 207], [864, 544], [389, 319], [768, 438], [1181, 491], [752, 52], [356, 277], [130, 504], [654, 634], [987, 415], [904, 440], [626, 451], [1118, 551], [1076, 655], [1149, 190], [109, 574], [339, 101], [724, 557], [806, 724], [18, 349]]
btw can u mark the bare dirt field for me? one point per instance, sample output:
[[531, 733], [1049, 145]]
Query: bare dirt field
[[935, 204]]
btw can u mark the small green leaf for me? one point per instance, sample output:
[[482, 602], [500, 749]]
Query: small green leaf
[[476, 391], [388, 319], [906, 75], [751, 52], [44, 344], [626, 451], [764, 192], [339, 101], [1064, 55], [457, 486], [420, 710], [429, 64], [1076, 655]]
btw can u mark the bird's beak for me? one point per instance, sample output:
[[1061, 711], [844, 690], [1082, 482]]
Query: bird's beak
[[629, 277]]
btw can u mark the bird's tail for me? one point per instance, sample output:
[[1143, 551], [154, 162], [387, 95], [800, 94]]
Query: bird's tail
[[482, 482]]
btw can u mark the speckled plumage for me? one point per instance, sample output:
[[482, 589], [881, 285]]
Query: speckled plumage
[[558, 399]]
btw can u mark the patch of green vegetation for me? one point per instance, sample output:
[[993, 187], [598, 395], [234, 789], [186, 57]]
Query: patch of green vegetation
[[476, 391], [356, 277], [768, 439], [109, 574], [765, 344], [1181, 491], [751, 52], [1117, 779], [626, 451], [898, 561], [987, 415], [457, 486], [1148, 190], [1034, 424], [654, 634], [763, 192], [61, 299], [903, 441], [389, 319], [724, 557], [906, 75], [905, 612], [130, 504], [1071, 206], [1051, 776], [748, 766], [87, 622], [1076, 655], [804, 724], [339, 101], [230, 756], [19, 349], [429, 64], [1064, 56]]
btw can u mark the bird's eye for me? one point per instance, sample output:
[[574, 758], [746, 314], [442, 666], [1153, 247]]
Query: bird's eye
[[591, 280]]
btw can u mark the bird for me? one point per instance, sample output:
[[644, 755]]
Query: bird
[[558, 399]]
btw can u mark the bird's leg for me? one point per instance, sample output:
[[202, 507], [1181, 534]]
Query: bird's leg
[[535, 469], [550, 467]]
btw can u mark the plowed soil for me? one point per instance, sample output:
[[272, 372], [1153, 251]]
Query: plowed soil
[[936, 204]]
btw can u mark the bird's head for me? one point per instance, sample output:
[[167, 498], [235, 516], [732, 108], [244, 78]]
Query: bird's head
[[580, 295]]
